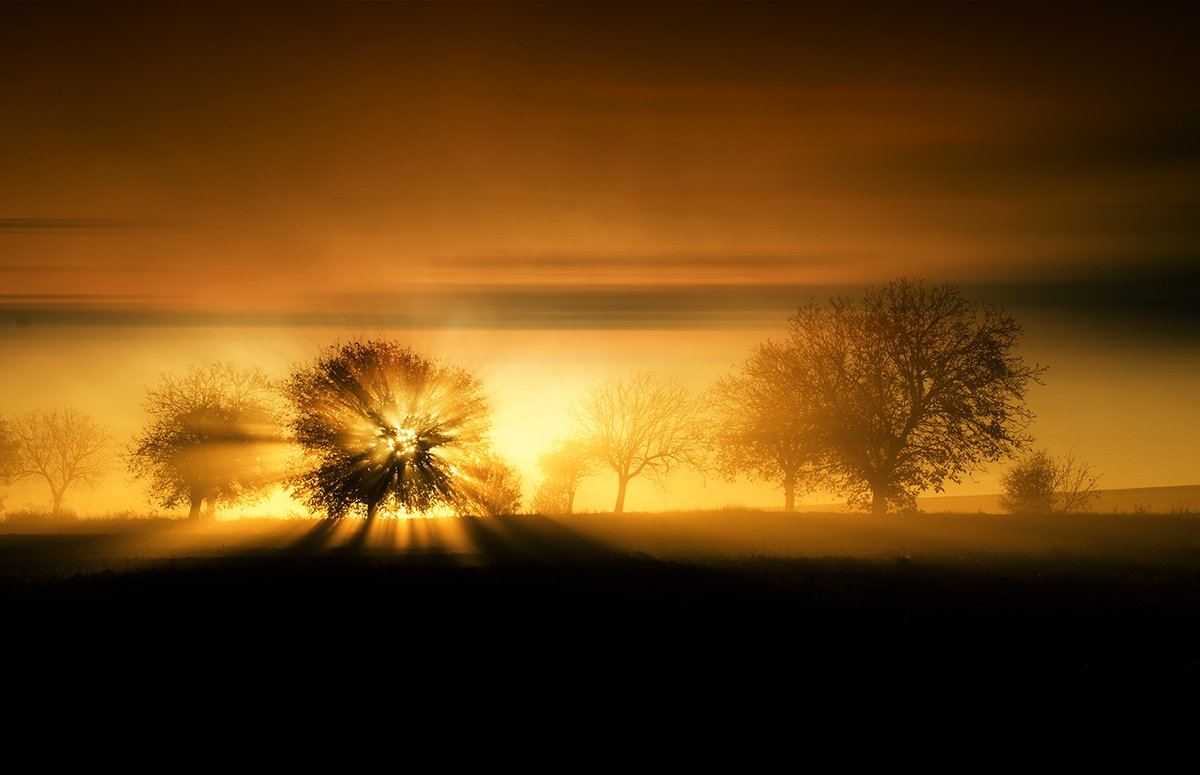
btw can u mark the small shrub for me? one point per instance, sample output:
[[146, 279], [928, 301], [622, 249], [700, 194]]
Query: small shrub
[[1042, 484]]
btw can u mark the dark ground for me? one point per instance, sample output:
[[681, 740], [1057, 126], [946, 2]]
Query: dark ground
[[568, 613]]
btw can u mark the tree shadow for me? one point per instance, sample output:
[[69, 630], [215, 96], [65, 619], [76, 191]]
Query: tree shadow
[[318, 538], [531, 537], [358, 541]]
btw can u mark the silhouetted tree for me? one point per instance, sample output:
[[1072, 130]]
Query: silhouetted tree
[[1042, 484], [212, 438], [914, 386], [640, 425], [762, 424], [62, 447], [8, 457], [383, 426], [564, 467]]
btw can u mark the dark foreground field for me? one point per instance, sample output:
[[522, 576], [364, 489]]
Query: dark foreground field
[[637, 606]]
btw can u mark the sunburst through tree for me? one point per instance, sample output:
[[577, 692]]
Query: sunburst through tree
[[385, 428]]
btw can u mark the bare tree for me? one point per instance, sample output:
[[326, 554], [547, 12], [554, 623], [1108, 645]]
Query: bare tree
[[63, 447], [383, 426], [213, 438], [8, 456], [1043, 484], [641, 425], [1075, 487], [567, 463], [913, 387], [762, 424]]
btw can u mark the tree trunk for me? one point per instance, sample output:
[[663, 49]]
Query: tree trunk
[[194, 504], [878, 501], [210, 511], [622, 485], [789, 493], [57, 496], [570, 501], [372, 509]]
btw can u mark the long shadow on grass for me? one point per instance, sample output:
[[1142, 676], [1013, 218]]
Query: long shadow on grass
[[507, 539], [531, 537], [318, 538], [338, 536]]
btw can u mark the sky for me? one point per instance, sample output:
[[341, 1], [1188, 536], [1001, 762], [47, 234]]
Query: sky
[[552, 193]]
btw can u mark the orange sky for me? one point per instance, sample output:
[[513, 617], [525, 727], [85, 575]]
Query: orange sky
[[553, 192]]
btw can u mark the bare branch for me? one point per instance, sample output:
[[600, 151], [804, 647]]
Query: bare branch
[[63, 447], [641, 425]]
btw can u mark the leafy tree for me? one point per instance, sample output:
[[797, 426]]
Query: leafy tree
[[551, 499], [63, 447], [640, 425], [210, 438], [1042, 484], [564, 467], [489, 486], [383, 426], [912, 387], [762, 425]]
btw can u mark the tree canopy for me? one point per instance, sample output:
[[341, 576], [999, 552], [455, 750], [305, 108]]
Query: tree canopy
[[385, 427], [489, 486], [761, 425], [210, 440], [641, 424], [910, 388]]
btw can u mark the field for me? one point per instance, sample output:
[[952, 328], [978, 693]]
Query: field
[[732, 602]]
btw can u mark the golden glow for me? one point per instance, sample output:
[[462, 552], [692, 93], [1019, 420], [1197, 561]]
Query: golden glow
[[549, 216], [401, 442], [532, 376]]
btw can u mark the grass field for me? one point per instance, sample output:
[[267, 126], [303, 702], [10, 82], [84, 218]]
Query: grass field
[[729, 601]]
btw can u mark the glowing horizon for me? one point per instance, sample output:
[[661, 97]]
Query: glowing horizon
[[549, 194]]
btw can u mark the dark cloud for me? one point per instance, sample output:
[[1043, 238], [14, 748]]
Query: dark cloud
[[1152, 303], [77, 224], [1153, 306], [1046, 151], [497, 307]]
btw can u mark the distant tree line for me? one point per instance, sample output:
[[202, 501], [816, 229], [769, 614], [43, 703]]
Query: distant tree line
[[880, 398]]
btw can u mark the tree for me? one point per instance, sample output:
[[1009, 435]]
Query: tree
[[1042, 484], [382, 426], [762, 425], [489, 487], [567, 463], [912, 387], [8, 456], [63, 447], [210, 438], [640, 425]]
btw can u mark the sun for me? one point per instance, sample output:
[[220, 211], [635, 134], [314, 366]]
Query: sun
[[401, 442]]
